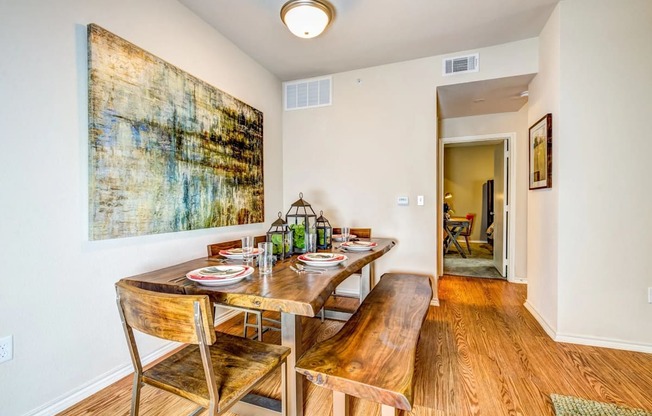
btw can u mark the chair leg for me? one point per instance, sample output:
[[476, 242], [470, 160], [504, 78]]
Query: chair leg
[[388, 410], [135, 395], [322, 314], [284, 389], [246, 322], [340, 404], [468, 246]]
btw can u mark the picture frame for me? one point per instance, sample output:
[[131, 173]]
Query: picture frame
[[540, 145]]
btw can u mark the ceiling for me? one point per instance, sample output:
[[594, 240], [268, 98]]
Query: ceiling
[[501, 95], [367, 33]]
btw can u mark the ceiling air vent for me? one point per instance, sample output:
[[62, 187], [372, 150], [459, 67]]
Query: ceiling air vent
[[307, 93], [461, 64]]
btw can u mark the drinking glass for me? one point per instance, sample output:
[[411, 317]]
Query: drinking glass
[[265, 257], [346, 232], [311, 243], [247, 248]]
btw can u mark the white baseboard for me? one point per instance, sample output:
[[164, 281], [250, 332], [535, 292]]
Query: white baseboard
[[516, 279], [348, 292], [86, 390], [604, 343], [544, 324], [584, 340]]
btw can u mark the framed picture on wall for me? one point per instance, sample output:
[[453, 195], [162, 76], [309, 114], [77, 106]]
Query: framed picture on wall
[[541, 153]]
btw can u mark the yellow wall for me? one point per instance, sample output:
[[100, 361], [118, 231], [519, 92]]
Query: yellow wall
[[466, 169]]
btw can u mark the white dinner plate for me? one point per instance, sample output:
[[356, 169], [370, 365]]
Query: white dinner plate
[[339, 238], [358, 245], [208, 280], [235, 253], [322, 259]]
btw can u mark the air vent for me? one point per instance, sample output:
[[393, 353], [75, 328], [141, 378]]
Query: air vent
[[461, 64], [307, 93]]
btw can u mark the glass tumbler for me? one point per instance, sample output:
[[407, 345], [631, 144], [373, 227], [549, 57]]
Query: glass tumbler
[[247, 249], [265, 257], [311, 243]]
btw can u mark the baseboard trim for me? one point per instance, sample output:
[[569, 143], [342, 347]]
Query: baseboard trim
[[516, 279], [584, 340], [75, 396], [604, 343], [544, 324], [349, 293]]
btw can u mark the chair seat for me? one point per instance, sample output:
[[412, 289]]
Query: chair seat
[[238, 363]]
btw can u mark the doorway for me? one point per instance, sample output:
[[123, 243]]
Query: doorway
[[476, 180]]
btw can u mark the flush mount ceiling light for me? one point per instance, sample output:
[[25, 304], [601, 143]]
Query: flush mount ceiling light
[[306, 18]]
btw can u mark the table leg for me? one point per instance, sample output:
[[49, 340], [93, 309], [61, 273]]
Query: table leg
[[457, 245], [291, 335], [447, 239], [365, 281]]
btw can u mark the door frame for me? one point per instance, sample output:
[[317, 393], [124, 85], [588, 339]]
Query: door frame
[[511, 189]]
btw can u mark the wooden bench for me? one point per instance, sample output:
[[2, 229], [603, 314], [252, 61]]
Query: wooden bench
[[372, 357]]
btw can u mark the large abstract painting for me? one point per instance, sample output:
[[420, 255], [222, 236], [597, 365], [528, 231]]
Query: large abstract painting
[[167, 151]]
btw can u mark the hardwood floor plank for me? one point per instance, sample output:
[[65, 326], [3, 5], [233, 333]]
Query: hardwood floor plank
[[480, 353]]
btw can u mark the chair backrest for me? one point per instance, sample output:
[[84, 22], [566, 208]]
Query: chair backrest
[[214, 249], [180, 318], [469, 230], [358, 232]]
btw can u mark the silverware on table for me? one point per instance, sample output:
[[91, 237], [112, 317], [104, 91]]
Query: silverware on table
[[306, 269]]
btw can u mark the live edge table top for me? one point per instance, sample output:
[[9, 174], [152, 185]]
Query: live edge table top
[[283, 291]]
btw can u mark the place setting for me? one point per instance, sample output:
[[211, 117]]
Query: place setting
[[358, 245], [316, 262], [220, 275]]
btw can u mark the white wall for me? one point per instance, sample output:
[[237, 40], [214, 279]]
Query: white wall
[[542, 205], [56, 291], [516, 122], [604, 154], [379, 141], [588, 272]]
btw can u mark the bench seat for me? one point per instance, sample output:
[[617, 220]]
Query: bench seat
[[372, 357]]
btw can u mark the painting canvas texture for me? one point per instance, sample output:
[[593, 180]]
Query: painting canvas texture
[[167, 151]]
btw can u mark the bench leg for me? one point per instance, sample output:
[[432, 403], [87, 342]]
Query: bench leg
[[388, 410], [340, 404]]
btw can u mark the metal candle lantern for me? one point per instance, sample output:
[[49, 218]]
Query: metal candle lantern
[[324, 232], [301, 220], [280, 235]]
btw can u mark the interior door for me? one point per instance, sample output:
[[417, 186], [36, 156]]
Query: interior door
[[500, 207]]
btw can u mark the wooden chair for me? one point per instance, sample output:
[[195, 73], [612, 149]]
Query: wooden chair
[[214, 371], [258, 324], [467, 232], [359, 233]]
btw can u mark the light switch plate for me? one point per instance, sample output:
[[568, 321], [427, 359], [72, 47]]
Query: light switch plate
[[420, 200], [403, 200]]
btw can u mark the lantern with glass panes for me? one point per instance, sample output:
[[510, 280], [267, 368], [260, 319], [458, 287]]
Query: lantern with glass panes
[[301, 220], [324, 232], [280, 235]]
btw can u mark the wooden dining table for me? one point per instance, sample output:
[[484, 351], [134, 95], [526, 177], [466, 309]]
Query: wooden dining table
[[294, 295]]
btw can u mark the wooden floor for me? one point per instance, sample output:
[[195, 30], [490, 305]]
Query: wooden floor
[[480, 353]]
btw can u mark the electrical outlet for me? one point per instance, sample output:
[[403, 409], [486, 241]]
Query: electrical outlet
[[6, 349]]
